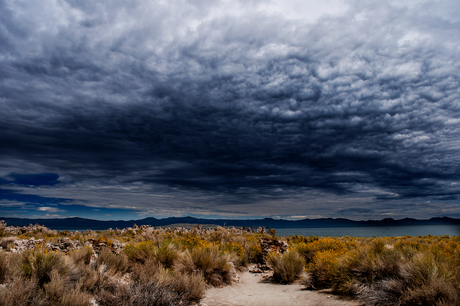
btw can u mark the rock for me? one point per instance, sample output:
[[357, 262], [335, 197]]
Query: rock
[[261, 230], [256, 270], [65, 245], [28, 244], [31, 229], [97, 245], [234, 275], [272, 245], [269, 245]]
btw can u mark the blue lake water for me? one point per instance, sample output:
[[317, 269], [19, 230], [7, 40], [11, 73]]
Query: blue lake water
[[391, 231], [434, 230]]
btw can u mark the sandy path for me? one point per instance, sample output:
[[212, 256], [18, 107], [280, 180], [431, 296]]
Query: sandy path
[[254, 290]]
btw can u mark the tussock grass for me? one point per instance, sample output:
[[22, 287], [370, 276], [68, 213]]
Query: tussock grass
[[39, 264], [213, 264], [117, 262], [20, 291], [82, 256]]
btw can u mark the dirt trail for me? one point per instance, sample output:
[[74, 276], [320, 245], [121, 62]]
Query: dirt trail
[[255, 290]]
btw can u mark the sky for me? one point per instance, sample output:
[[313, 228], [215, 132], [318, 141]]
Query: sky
[[230, 109]]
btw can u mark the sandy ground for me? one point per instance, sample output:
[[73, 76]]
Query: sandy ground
[[255, 290]]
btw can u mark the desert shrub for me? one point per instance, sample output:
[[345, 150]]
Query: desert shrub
[[21, 291], [81, 256], [287, 267], [212, 263], [191, 287], [187, 287], [75, 298], [328, 269], [190, 242], [155, 295], [296, 239], [117, 262], [166, 255], [185, 263], [39, 263], [308, 250], [56, 287], [140, 251], [236, 248], [436, 292], [390, 271], [253, 250], [4, 266], [144, 273], [121, 297], [384, 292], [100, 279], [7, 242]]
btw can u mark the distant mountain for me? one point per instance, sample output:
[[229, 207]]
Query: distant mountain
[[83, 224]]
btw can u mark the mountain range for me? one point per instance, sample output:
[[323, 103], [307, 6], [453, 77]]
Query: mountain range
[[76, 223]]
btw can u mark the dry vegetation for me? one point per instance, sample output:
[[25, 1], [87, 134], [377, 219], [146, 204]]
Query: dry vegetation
[[172, 267], [148, 267], [385, 271]]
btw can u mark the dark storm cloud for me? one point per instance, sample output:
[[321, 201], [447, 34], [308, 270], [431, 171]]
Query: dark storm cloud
[[34, 179], [251, 105]]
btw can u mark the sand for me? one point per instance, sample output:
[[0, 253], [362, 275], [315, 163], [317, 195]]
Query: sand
[[256, 290]]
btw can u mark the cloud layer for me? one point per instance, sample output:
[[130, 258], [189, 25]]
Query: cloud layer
[[232, 108]]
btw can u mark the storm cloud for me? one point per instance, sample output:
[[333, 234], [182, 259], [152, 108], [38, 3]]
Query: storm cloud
[[228, 108]]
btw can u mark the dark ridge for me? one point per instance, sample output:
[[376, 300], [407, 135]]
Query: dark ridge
[[83, 224]]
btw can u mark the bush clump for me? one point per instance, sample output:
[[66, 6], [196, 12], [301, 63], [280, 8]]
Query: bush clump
[[388, 271], [286, 267]]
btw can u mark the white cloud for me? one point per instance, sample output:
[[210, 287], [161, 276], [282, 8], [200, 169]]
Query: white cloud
[[49, 209]]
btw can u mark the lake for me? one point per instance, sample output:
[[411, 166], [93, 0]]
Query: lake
[[434, 230]]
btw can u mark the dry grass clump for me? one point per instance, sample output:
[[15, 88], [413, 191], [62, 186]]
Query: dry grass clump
[[140, 252], [20, 291], [117, 262], [170, 286], [287, 267], [81, 256], [4, 269], [210, 262], [39, 264], [39, 277]]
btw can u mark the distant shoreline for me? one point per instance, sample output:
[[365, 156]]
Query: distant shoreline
[[83, 224]]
